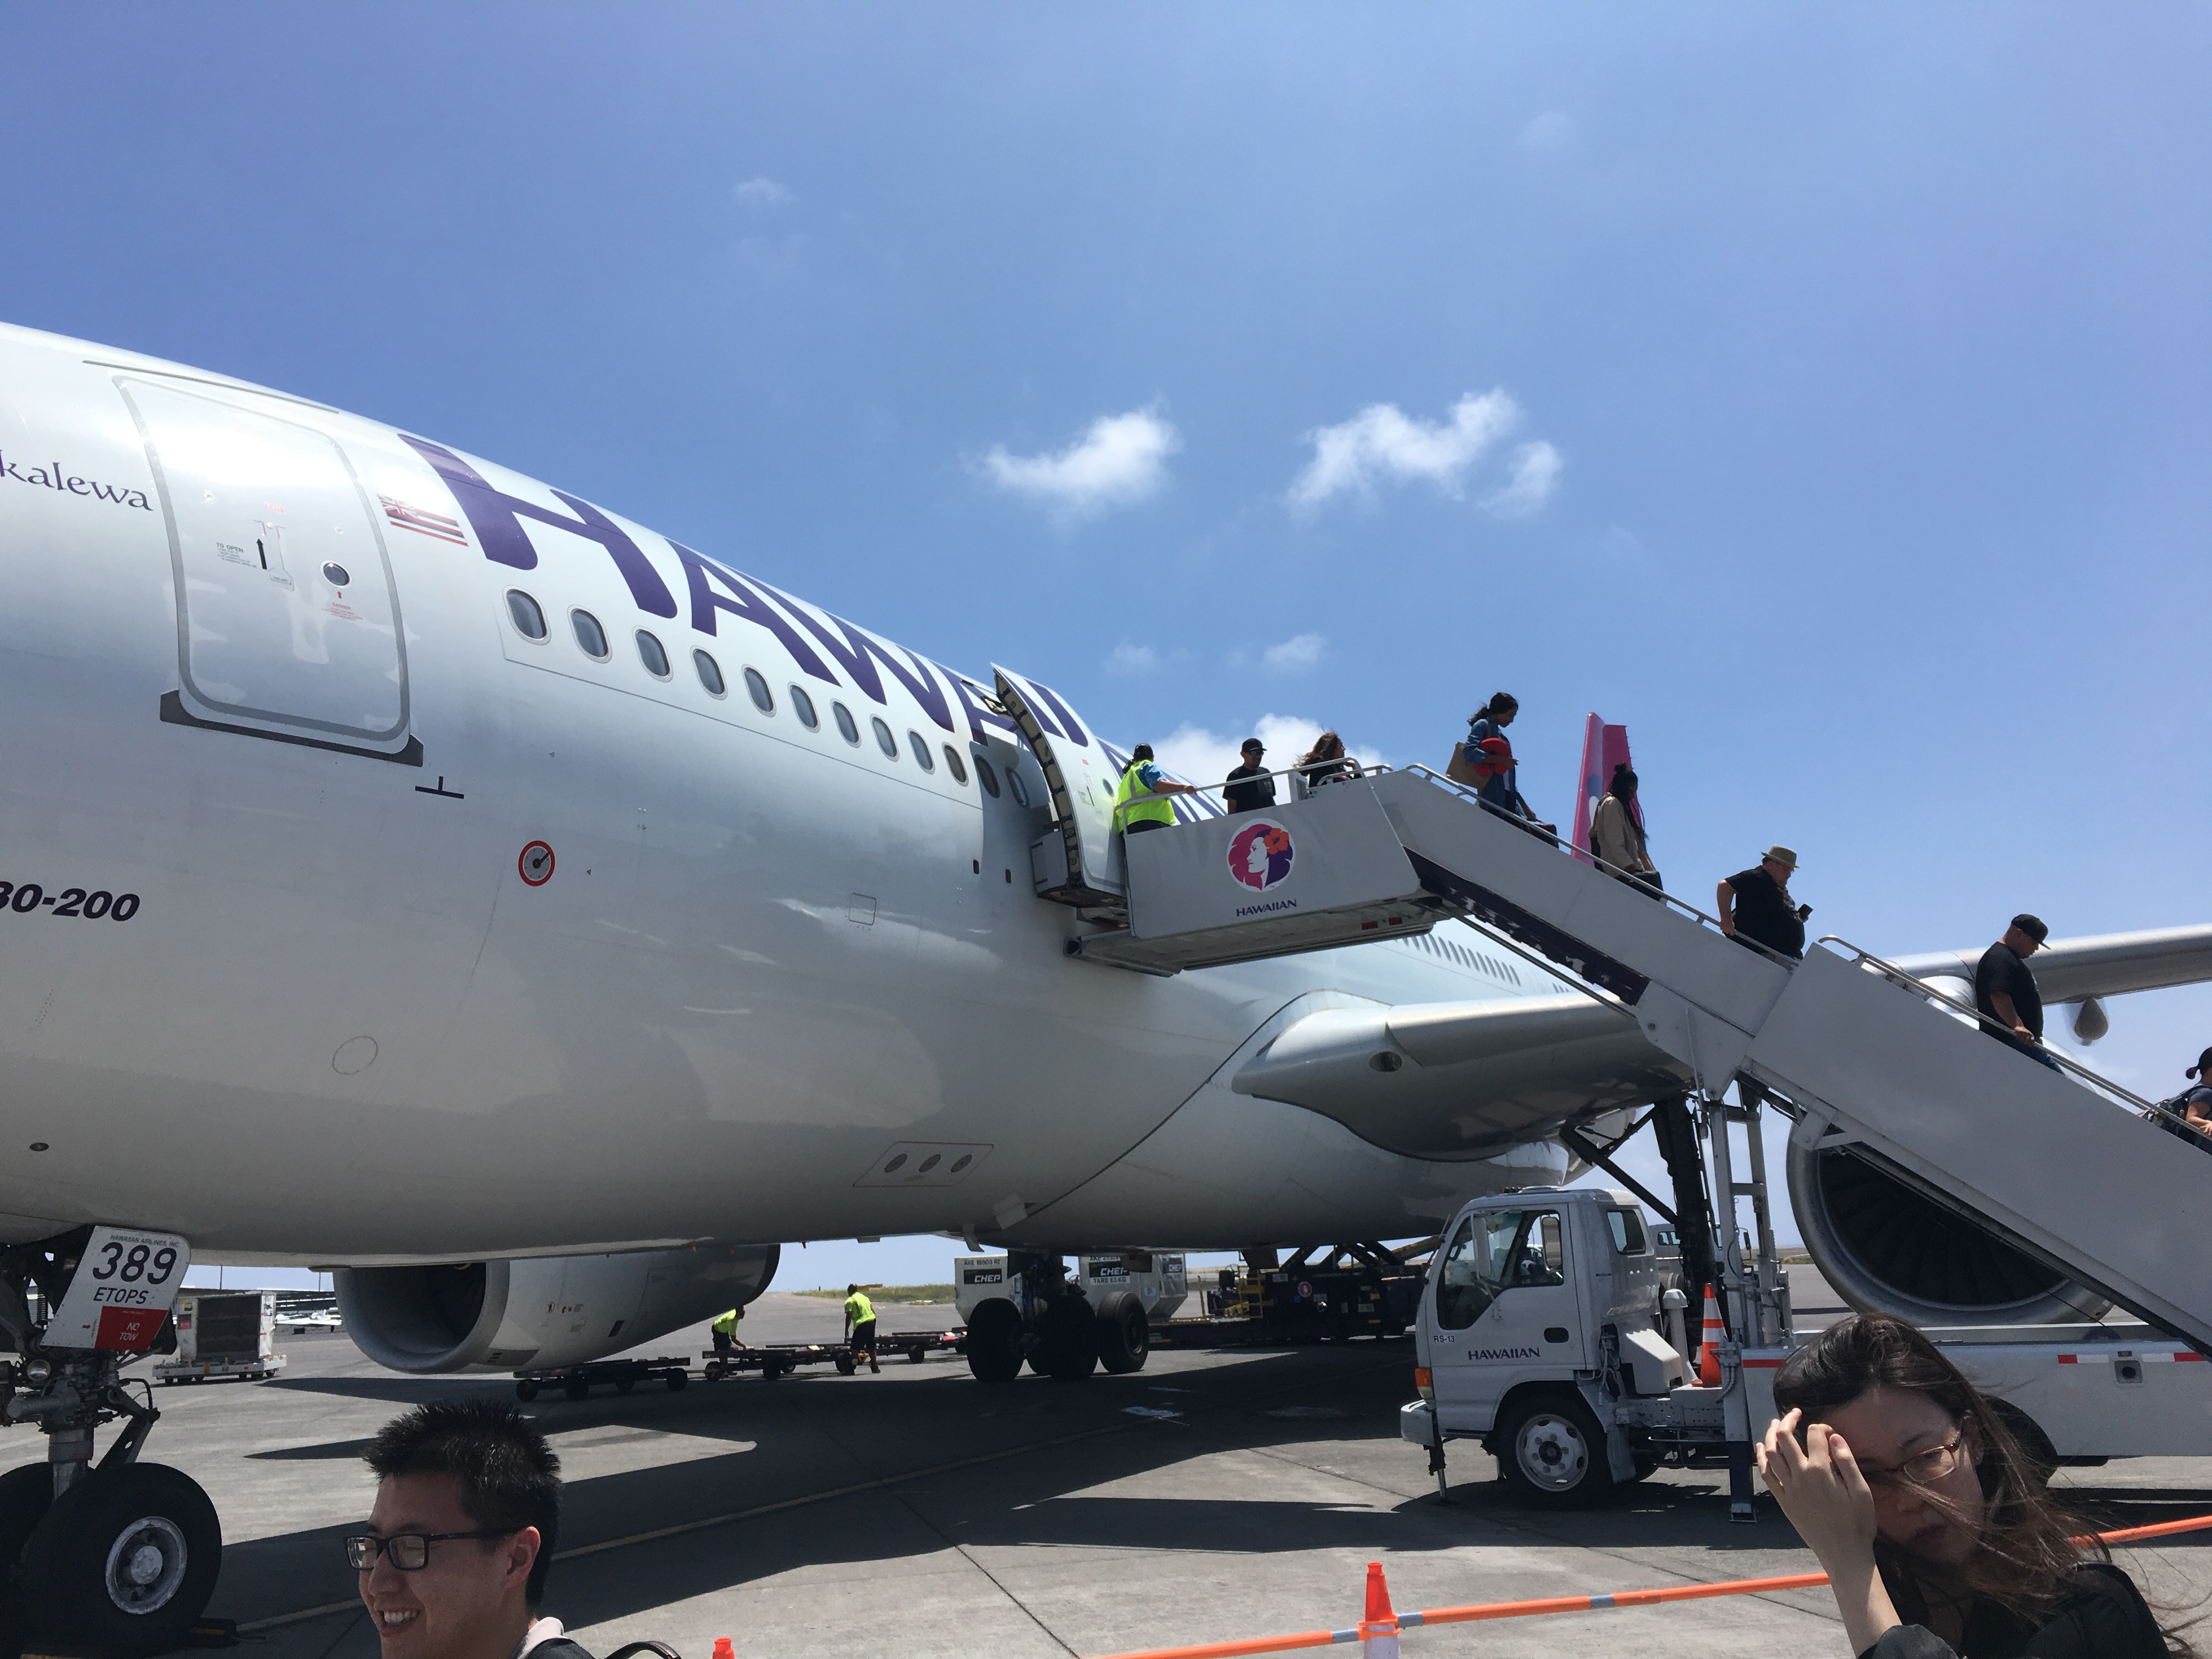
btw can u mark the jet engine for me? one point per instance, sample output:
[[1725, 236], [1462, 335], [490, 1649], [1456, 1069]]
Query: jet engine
[[542, 1310], [1886, 1247]]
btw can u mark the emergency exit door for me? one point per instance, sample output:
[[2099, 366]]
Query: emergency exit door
[[287, 618]]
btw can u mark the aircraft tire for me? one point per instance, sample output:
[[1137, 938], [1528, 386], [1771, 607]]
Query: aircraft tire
[[25, 1494], [1125, 1334], [1550, 1452], [995, 1342], [1067, 1340], [124, 1560]]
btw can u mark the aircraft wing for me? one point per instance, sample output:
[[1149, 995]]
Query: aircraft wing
[[2106, 964], [1460, 1079], [1469, 1079]]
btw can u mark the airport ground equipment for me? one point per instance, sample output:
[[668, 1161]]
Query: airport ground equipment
[[777, 1359], [1541, 1334], [575, 1382], [1323, 1293], [223, 1333], [1936, 1173]]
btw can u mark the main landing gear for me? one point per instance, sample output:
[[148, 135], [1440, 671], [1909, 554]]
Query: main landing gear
[[1047, 1321], [117, 1557]]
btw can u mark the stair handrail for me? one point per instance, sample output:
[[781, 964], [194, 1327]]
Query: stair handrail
[[1567, 846], [1366, 770], [1898, 977]]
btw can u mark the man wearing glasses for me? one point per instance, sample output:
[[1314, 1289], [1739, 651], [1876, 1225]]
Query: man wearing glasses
[[453, 1561]]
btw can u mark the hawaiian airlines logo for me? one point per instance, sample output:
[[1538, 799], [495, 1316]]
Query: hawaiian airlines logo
[[1259, 855]]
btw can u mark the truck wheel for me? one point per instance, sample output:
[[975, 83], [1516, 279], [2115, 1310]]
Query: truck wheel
[[995, 1341], [125, 1559], [2034, 1444], [677, 1381], [1125, 1334], [625, 1384], [1550, 1452], [526, 1389]]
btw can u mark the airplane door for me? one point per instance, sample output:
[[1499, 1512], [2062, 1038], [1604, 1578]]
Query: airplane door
[[1078, 861], [287, 618]]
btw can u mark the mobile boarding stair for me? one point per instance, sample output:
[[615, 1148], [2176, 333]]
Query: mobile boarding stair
[[1861, 1055]]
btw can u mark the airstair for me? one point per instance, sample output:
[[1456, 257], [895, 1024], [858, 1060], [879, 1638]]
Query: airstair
[[1863, 1057]]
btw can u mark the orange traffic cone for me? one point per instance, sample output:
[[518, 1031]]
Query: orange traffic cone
[[1709, 1363], [725, 1649], [1378, 1627]]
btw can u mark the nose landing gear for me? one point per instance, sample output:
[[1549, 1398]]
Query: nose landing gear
[[118, 1556]]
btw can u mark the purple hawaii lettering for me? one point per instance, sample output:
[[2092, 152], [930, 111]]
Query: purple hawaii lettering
[[978, 715], [741, 600], [859, 652], [496, 518]]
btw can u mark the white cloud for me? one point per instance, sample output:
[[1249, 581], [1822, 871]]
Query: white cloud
[[1120, 461], [760, 195], [1205, 757], [1300, 651], [1536, 473], [1554, 129], [1381, 443], [1127, 658]]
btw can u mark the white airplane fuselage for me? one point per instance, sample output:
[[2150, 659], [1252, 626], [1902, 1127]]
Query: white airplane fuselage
[[261, 671]]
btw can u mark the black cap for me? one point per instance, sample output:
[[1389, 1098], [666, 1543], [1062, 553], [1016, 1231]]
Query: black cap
[[2031, 925], [1248, 746]]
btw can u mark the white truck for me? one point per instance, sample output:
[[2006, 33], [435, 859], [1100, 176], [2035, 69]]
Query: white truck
[[1155, 1277], [1541, 1334]]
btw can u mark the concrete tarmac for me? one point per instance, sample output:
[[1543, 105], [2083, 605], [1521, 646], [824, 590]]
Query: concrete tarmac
[[1215, 1494]]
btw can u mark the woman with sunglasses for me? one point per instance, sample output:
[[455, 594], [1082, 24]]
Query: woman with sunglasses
[[1937, 1534]]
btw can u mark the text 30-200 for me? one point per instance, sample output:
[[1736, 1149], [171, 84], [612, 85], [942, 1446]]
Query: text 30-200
[[70, 901]]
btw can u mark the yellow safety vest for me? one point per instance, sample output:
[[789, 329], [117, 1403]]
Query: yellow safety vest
[[1157, 812], [727, 1324], [859, 1307]]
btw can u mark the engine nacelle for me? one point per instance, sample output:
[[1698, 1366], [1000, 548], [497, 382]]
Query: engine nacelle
[[1888, 1247], [544, 1310]]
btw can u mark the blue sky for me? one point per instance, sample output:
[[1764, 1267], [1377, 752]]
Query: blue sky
[[1824, 393]]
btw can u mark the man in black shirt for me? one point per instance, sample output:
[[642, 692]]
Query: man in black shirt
[[1259, 793], [2005, 994], [1754, 904]]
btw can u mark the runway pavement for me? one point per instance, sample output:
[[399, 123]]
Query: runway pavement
[[1214, 1495]]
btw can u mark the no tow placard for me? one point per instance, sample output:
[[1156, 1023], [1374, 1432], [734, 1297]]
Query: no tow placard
[[126, 1281]]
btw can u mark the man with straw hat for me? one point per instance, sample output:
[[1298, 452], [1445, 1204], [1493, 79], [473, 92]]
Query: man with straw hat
[[1755, 905]]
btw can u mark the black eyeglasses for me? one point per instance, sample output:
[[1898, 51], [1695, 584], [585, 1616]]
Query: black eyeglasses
[[410, 1551]]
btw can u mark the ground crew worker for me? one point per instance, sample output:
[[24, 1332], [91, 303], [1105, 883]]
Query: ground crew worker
[[860, 1324], [726, 1331], [1144, 777]]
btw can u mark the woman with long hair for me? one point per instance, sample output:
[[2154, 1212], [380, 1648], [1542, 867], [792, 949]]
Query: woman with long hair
[[1616, 833], [1934, 1525], [2196, 1106], [1327, 762]]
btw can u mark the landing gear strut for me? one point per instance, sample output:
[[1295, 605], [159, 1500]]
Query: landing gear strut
[[118, 1555]]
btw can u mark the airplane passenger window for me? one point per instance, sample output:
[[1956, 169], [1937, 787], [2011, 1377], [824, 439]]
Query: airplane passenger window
[[920, 752], [763, 699], [591, 638], [885, 740], [650, 653], [529, 620], [989, 777], [710, 672], [953, 764], [803, 706], [845, 722], [1021, 790]]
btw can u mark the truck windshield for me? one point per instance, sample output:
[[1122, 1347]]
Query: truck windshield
[[1498, 1251]]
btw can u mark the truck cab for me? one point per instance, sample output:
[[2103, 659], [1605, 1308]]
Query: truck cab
[[1541, 1313]]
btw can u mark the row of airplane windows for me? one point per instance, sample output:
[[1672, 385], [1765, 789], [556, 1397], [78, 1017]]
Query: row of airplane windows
[[1466, 959], [529, 618]]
